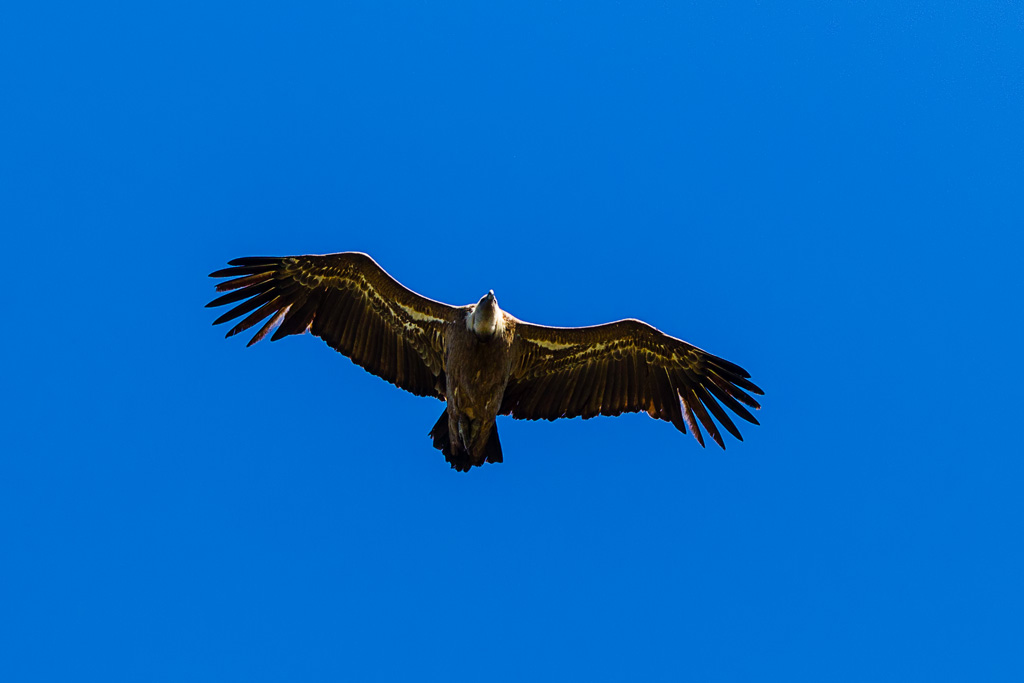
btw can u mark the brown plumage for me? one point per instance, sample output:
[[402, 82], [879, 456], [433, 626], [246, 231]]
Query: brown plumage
[[480, 360]]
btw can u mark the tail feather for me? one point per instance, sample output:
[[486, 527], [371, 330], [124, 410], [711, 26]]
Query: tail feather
[[492, 451], [460, 459], [439, 433]]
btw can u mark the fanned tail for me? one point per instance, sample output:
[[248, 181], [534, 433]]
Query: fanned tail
[[458, 457]]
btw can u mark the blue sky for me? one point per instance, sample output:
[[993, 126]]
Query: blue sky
[[827, 193]]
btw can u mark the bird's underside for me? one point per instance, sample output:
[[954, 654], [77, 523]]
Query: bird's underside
[[480, 360]]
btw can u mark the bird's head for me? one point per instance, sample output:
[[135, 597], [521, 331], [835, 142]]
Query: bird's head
[[485, 319]]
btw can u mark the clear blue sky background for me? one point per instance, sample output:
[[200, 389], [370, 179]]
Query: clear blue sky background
[[829, 194]]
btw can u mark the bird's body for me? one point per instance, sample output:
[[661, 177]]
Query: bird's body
[[477, 369], [480, 360]]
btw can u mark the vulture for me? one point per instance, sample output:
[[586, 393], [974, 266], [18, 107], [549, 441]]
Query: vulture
[[481, 361]]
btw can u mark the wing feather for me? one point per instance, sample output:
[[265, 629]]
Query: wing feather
[[729, 402], [242, 309], [626, 366], [661, 394], [597, 398], [675, 406], [702, 414], [237, 272], [252, 261], [614, 397], [716, 410], [268, 308], [348, 301], [273, 322], [577, 401], [249, 283], [299, 316], [744, 383], [690, 422]]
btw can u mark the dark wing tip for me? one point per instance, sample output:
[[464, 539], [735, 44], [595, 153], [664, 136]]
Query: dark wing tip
[[750, 386], [726, 365], [255, 261], [247, 265]]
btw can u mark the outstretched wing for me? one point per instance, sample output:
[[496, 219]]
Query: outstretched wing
[[624, 367], [348, 301]]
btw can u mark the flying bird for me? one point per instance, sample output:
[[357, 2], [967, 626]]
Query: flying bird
[[480, 360]]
